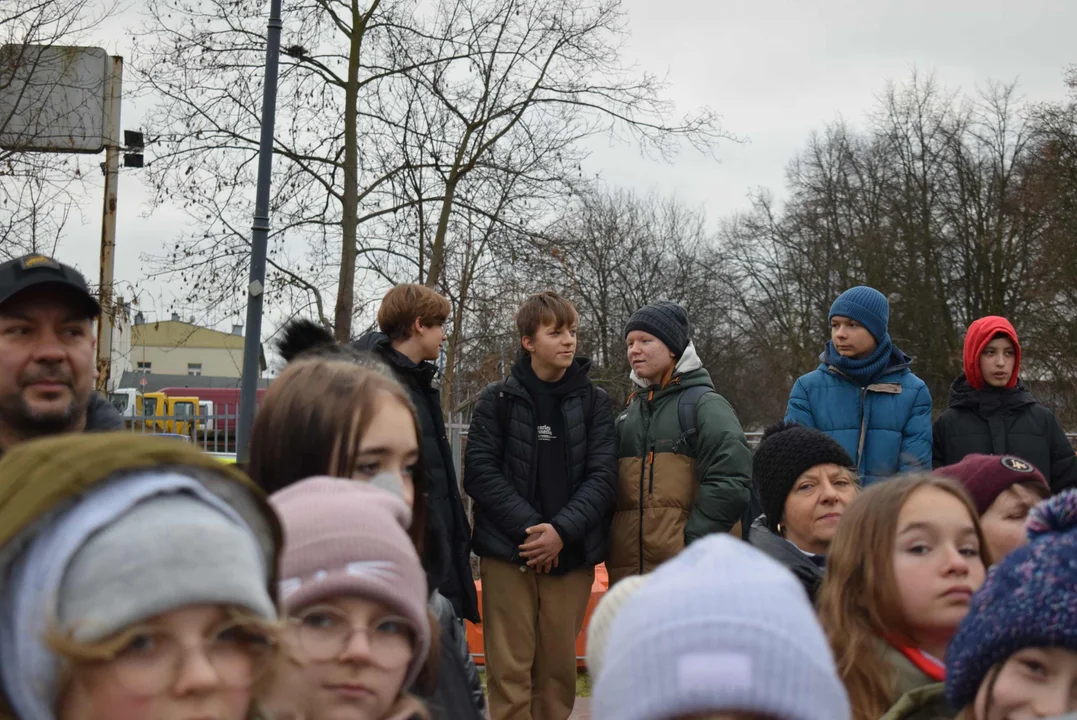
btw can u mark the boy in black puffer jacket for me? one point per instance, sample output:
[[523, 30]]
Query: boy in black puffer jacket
[[541, 467]]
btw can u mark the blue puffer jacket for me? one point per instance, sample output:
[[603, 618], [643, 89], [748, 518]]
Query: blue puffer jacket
[[885, 426]]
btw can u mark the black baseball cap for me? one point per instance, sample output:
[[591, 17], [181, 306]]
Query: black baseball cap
[[30, 270]]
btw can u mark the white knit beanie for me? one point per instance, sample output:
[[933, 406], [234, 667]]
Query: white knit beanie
[[598, 629], [720, 627]]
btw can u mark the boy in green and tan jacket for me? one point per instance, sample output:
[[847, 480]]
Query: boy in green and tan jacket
[[676, 483]]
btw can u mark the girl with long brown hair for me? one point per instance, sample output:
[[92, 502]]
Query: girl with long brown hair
[[902, 569], [338, 412]]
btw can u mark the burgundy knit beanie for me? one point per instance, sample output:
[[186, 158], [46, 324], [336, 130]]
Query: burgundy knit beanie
[[343, 537], [988, 476]]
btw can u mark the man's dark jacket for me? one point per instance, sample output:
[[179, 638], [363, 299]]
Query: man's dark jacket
[[500, 470], [1004, 421], [101, 415], [443, 493]]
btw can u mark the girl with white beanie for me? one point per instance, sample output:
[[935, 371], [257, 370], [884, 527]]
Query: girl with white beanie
[[721, 630], [137, 582], [354, 593]]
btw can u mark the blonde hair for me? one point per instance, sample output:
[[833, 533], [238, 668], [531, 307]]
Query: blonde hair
[[859, 601], [74, 653]]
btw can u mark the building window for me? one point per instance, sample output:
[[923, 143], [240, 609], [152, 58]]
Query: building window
[[194, 369], [144, 368]]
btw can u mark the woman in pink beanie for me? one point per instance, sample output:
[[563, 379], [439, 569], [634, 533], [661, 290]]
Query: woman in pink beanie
[[354, 595]]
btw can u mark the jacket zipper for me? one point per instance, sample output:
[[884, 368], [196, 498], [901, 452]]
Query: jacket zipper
[[642, 473], [650, 461], [863, 428]]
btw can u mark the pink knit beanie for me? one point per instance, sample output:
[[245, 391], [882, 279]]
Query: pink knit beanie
[[343, 537]]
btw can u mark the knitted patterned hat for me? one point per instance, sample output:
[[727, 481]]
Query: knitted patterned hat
[[786, 452], [598, 629], [867, 306], [720, 627], [988, 476], [666, 321], [1028, 600], [343, 537]]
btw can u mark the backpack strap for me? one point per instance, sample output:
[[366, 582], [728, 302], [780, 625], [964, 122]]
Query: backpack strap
[[686, 412]]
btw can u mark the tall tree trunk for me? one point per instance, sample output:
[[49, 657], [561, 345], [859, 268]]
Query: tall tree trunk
[[345, 306], [437, 253]]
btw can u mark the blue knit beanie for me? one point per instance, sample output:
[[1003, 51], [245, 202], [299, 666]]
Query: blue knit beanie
[[1028, 600], [867, 306], [721, 627]]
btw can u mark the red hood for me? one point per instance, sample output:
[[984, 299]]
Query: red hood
[[977, 338]]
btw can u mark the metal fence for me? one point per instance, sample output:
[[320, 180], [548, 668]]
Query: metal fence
[[214, 433]]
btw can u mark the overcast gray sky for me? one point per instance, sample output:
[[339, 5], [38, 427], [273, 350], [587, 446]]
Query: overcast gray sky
[[774, 69]]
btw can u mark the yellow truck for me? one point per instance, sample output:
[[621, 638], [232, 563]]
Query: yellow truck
[[170, 414]]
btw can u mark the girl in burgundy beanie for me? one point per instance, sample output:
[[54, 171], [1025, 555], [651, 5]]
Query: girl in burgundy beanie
[[1004, 489], [993, 413]]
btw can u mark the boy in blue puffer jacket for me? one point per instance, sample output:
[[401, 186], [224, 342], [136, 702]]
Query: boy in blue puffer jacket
[[863, 394]]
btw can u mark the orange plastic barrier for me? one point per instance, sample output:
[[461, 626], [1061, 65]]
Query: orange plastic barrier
[[598, 589]]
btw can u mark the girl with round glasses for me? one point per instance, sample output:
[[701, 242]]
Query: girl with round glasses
[[136, 582], [354, 592]]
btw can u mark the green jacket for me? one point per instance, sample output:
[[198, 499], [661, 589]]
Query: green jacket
[[671, 490], [925, 703]]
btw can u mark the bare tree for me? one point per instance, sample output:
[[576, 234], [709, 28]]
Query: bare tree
[[398, 120]]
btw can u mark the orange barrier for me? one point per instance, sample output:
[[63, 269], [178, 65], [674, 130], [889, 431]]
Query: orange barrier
[[598, 589]]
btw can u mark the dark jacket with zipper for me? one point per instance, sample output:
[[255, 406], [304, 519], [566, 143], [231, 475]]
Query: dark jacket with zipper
[[501, 470], [459, 694], [443, 492], [808, 572], [1004, 421]]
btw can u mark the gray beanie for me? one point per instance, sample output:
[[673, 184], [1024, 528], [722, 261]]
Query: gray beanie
[[666, 321], [167, 552], [721, 627]]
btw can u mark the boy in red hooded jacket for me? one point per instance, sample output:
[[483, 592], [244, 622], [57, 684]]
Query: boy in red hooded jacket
[[992, 412]]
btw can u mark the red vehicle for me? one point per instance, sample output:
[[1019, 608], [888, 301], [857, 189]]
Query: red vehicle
[[218, 424]]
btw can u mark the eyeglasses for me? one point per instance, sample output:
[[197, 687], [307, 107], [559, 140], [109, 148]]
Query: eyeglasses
[[325, 634], [239, 652]]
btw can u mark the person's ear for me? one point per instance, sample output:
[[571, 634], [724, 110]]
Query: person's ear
[[417, 326], [527, 343]]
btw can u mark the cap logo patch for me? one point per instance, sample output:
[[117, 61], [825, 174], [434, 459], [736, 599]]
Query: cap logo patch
[[33, 261], [1016, 464], [699, 672]]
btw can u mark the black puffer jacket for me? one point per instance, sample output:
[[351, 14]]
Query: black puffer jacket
[[500, 470], [1000, 421], [808, 573], [459, 693], [443, 493]]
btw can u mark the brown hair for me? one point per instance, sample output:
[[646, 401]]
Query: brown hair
[[311, 420], [405, 304], [859, 600], [545, 308]]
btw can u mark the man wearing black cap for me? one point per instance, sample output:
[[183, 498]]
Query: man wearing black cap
[[47, 353], [685, 469]]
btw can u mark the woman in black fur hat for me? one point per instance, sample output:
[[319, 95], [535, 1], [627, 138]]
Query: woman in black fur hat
[[806, 481]]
